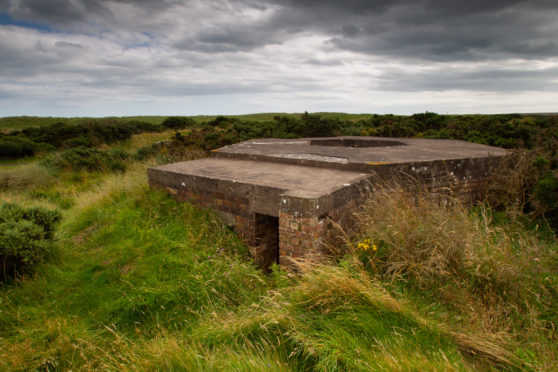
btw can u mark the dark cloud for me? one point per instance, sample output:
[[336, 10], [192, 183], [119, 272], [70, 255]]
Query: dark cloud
[[324, 62], [56, 12], [449, 30], [435, 29], [61, 14], [230, 38], [486, 80]]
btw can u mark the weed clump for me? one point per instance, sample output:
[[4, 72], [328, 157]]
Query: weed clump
[[25, 238]]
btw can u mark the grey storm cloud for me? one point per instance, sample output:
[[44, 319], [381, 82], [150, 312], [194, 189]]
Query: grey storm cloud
[[56, 11], [428, 29], [434, 29]]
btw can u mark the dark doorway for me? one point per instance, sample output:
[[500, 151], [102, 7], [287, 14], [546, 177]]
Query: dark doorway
[[267, 239]]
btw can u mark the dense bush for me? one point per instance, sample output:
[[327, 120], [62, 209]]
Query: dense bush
[[25, 238], [509, 131], [28, 141], [16, 148], [177, 122], [83, 158]]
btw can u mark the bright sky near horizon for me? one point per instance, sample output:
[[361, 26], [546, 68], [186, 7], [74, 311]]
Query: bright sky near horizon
[[189, 57]]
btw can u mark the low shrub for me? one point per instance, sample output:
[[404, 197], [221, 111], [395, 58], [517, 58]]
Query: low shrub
[[178, 122], [79, 142], [146, 152], [83, 158], [28, 141], [527, 184], [16, 148], [25, 238]]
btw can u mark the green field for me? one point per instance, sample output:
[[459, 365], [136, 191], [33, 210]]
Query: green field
[[134, 280], [20, 122]]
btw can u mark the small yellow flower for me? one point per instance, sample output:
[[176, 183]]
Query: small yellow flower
[[363, 245], [374, 247]]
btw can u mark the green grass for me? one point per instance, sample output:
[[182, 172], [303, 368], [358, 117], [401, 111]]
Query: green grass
[[20, 122], [142, 282], [140, 273]]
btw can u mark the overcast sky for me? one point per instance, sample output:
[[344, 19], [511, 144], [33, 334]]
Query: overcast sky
[[187, 57]]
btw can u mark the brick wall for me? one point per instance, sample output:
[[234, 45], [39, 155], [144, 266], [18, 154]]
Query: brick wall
[[294, 234]]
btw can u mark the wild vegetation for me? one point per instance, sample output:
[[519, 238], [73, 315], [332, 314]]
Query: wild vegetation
[[100, 272]]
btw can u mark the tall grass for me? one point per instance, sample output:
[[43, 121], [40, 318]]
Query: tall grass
[[493, 278], [25, 176]]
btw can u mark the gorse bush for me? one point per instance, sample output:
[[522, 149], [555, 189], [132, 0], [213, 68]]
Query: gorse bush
[[178, 122], [16, 148], [28, 141], [83, 158], [526, 184], [25, 238]]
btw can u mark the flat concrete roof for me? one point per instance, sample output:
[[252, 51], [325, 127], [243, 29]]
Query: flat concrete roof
[[356, 153], [307, 180]]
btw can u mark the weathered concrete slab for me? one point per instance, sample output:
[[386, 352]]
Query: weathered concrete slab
[[309, 180], [261, 182], [357, 153]]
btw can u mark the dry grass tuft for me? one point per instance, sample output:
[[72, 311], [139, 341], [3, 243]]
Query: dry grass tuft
[[25, 176], [483, 272], [419, 236]]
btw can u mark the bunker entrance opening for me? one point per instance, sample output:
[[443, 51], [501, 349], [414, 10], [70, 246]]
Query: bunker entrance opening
[[267, 239]]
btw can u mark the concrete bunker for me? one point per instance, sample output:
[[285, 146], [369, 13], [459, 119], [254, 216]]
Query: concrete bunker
[[279, 194]]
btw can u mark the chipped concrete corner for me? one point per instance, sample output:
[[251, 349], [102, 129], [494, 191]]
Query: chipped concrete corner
[[280, 194]]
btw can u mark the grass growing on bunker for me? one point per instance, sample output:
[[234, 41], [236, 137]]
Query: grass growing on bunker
[[141, 282]]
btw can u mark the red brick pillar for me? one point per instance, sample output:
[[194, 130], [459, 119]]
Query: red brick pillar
[[298, 236]]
